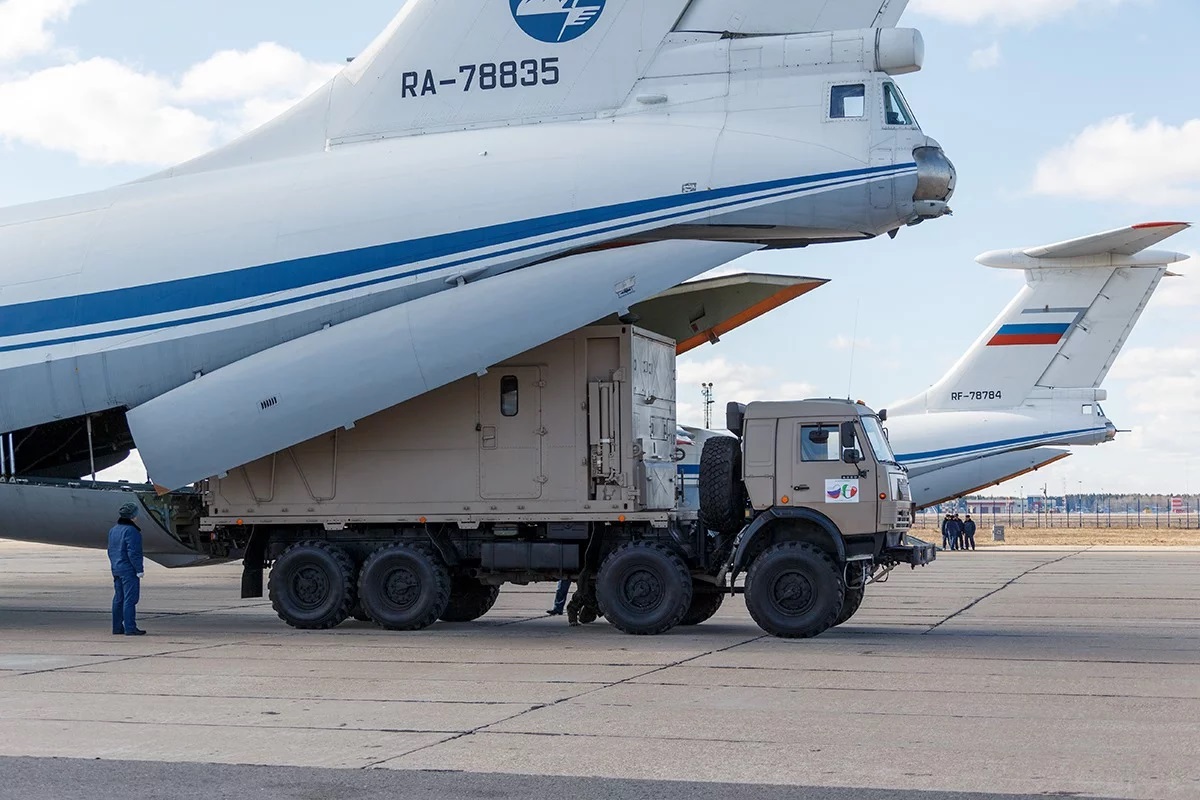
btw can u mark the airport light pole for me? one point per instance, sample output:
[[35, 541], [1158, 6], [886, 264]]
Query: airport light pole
[[707, 391]]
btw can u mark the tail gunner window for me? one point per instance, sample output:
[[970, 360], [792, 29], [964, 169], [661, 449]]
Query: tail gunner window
[[894, 108], [848, 102]]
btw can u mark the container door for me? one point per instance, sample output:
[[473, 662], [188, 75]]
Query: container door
[[511, 434]]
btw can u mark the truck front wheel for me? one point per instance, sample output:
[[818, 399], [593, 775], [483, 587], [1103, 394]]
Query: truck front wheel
[[312, 586], [469, 600], [852, 603], [794, 590], [644, 589], [403, 588]]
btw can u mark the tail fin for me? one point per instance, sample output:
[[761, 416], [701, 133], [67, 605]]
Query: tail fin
[[1065, 328], [458, 64]]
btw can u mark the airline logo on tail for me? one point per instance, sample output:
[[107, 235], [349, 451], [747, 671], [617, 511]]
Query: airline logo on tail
[[1051, 327], [556, 21]]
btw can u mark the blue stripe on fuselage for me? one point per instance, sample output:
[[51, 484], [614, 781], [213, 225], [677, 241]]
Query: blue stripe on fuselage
[[972, 448], [244, 284]]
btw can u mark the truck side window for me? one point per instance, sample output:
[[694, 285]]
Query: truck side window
[[820, 443], [848, 102], [510, 389]]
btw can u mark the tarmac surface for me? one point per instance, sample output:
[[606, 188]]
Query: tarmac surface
[[1015, 672]]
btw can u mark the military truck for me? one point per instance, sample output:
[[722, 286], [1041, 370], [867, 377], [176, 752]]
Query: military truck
[[561, 464]]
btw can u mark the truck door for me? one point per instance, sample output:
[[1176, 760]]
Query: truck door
[[511, 434], [821, 481]]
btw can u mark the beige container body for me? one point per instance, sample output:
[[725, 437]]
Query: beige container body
[[581, 428]]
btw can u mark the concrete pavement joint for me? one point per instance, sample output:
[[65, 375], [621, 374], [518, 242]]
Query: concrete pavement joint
[[119, 660], [1005, 586], [483, 728]]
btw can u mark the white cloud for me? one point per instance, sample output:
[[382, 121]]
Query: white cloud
[[732, 383], [106, 112], [985, 58], [24, 26], [1183, 291], [1003, 12], [103, 112], [265, 71], [1117, 159]]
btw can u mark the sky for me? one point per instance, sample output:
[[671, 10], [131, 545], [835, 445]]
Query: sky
[[1064, 118]]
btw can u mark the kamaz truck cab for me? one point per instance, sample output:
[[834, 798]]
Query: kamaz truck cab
[[819, 506]]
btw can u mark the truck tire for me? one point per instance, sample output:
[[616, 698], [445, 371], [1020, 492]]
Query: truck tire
[[403, 588], [851, 604], [704, 605], [469, 600], [722, 493], [644, 589], [359, 614], [312, 586], [794, 591]]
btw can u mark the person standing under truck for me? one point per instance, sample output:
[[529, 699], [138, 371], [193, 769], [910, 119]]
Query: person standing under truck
[[560, 599], [968, 533], [125, 558]]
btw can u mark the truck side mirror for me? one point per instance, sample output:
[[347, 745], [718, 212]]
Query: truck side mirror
[[852, 456], [848, 438], [735, 418]]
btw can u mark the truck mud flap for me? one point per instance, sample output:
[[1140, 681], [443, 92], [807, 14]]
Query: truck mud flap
[[914, 552]]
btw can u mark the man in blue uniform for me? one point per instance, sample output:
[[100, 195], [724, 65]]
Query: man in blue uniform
[[968, 533], [125, 558]]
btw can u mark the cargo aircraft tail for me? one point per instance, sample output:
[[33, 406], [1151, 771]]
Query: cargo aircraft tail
[[1065, 328], [1029, 385]]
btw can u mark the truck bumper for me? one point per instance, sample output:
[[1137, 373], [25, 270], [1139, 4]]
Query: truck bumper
[[913, 551]]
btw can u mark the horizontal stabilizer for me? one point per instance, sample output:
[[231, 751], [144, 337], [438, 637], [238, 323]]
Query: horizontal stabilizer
[[1119, 248], [333, 378], [748, 17]]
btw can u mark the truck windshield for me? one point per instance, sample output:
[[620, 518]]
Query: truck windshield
[[879, 442]]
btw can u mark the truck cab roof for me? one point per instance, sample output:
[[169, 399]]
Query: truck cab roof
[[818, 407]]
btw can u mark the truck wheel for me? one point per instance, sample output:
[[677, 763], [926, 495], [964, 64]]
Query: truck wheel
[[851, 604], [722, 493], [403, 588], [704, 605], [312, 586], [794, 590], [644, 589], [469, 600]]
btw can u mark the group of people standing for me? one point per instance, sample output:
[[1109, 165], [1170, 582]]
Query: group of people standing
[[958, 534]]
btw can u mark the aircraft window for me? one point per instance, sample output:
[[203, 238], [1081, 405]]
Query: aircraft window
[[510, 396], [820, 443], [895, 110], [848, 102], [1088, 410], [1099, 410]]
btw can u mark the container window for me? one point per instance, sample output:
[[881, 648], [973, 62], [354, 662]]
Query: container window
[[510, 389], [848, 102]]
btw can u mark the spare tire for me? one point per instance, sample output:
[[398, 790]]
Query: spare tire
[[722, 493]]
